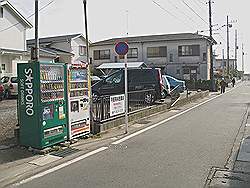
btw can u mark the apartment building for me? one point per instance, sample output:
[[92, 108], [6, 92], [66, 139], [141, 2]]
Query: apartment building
[[182, 55]]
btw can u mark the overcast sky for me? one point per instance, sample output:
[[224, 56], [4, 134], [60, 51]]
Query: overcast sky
[[108, 19]]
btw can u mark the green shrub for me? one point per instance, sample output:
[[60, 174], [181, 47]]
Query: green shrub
[[200, 84]]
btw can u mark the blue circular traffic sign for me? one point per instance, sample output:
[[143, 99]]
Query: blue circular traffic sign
[[121, 48]]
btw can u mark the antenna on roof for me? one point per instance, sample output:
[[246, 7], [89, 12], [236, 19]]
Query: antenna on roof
[[127, 21]]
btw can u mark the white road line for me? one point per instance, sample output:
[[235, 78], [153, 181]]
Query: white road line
[[61, 166], [175, 101]]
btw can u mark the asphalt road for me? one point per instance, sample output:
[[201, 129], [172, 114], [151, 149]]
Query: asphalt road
[[178, 153]]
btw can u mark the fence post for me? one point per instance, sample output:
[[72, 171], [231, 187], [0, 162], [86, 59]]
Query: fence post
[[102, 108]]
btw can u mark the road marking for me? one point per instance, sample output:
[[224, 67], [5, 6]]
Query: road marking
[[61, 166], [175, 101]]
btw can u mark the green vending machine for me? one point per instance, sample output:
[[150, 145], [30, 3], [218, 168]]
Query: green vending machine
[[42, 105]]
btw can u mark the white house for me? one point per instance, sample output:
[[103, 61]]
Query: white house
[[68, 48], [13, 26], [182, 55]]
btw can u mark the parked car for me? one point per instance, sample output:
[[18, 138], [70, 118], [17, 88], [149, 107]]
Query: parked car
[[138, 80], [1, 90], [175, 83], [10, 86], [95, 79], [166, 87]]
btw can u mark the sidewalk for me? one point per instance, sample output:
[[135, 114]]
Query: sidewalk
[[19, 163]]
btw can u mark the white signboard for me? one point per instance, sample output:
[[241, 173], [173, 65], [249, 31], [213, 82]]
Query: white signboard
[[193, 71], [117, 104]]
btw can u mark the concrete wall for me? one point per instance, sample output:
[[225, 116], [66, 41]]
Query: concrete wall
[[14, 37]]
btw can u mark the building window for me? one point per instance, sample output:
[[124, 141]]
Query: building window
[[3, 67], [132, 53], [189, 50], [224, 63], [171, 58], [157, 51], [101, 54], [82, 50], [186, 71], [1, 12], [204, 56], [178, 71]]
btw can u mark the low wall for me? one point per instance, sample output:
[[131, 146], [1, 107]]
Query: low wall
[[149, 111]]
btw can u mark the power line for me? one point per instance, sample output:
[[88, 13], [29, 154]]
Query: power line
[[221, 35], [203, 3], [195, 2], [171, 14], [174, 5], [45, 6], [195, 12]]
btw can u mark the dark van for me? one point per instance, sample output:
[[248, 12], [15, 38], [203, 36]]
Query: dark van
[[138, 80]]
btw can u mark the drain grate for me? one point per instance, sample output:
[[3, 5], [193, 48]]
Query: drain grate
[[65, 152]]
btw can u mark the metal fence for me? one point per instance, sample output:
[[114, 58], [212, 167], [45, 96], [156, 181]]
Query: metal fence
[[137, 100]]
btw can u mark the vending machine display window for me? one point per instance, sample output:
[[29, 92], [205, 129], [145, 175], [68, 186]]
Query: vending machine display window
[[78, 74], [48, 112], [74, 106], [52, 83]]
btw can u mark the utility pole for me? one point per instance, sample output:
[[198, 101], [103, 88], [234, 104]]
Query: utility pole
[[227, 47], [211, 47], [236, 48], [89, 66], [36, 50], [243, 58], [223, 59]]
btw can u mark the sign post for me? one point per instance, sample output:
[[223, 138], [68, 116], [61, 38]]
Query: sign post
[[121, 48]]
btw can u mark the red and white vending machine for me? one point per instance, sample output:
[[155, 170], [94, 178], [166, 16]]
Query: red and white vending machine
[[78, 100]]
